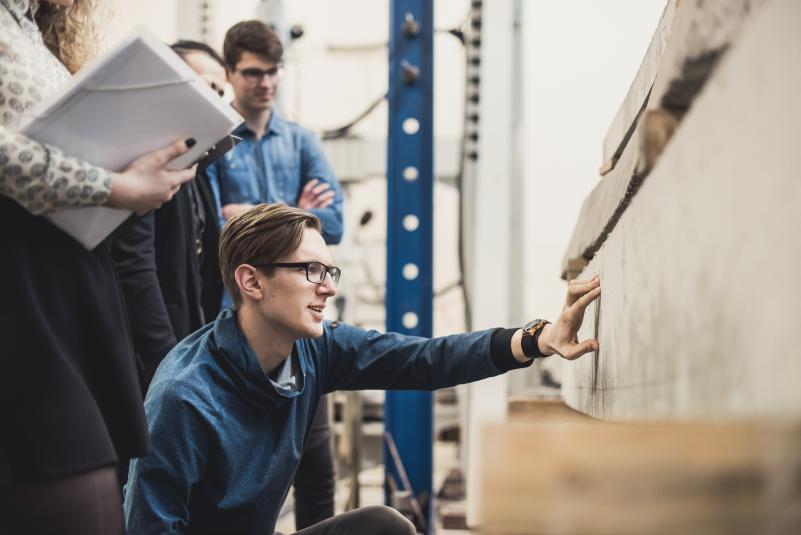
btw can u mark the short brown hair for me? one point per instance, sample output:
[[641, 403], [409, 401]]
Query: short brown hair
[[260, 236], [251, 36]]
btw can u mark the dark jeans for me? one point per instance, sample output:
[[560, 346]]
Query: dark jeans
[[364, 521], [314, 480], [82, 504]]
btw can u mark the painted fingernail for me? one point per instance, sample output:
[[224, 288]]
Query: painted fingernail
[[190, 142]]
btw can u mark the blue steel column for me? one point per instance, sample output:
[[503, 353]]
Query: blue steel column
[[410, 178]]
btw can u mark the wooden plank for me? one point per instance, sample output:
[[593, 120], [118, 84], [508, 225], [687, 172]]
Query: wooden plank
[[625, 120], [642, 479], [535, 410], [699, 316]]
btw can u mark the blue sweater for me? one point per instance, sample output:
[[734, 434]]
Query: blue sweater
[[226, 440]]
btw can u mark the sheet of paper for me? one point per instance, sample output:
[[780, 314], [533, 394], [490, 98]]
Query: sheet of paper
[[138, 98]]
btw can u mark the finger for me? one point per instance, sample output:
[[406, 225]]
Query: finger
[[579, 288], [184, 176], [321, 188], [169, 153], [595, 278], [585, 300], [325, 197], [310, 186], [576, 350]]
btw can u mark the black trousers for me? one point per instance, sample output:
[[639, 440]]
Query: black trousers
[[314, 481], [84, 504]]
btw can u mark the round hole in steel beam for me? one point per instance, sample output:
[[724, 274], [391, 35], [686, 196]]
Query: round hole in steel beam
[[410, 271], [410, 320], [411, 223], [411, 126], [410, 173]]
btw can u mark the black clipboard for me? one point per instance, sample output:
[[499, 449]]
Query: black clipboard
[[217, 150]]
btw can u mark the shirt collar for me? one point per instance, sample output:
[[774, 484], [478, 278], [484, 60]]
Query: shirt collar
[[276, 126], [243, 369]]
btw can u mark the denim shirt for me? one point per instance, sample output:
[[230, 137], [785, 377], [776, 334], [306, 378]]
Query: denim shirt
[[274, 169], [227, 440]]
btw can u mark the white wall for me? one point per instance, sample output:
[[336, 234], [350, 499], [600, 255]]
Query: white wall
[[159, 16]]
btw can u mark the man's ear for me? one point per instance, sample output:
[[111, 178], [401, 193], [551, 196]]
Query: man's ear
[[246, 279], [229, 73]]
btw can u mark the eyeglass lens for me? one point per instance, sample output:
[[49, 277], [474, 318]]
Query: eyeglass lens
[[316, 273], [255, 75]]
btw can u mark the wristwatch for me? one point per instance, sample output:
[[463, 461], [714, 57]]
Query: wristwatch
[[531, 336]]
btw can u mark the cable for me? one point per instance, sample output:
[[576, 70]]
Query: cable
[[343, 131]]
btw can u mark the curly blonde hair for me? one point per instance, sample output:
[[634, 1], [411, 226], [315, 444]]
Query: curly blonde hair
[[71, 33]]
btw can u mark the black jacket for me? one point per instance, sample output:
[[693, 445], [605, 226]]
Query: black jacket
[[169, 291]]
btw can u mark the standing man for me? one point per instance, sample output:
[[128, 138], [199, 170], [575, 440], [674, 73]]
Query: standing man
[[279, 161], [167, 259]]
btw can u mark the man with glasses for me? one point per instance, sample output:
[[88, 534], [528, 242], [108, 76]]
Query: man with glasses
[[230, 406], [279, 161]]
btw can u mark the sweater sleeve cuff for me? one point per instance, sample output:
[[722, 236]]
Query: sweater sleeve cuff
[[501, 351]]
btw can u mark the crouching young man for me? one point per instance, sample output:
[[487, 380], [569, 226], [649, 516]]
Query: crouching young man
[[229, 407]]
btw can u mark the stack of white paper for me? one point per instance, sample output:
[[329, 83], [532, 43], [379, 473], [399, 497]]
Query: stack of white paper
[[138, 98]]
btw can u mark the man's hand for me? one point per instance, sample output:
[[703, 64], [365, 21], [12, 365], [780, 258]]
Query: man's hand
[[561, 336], [233, 210], [315, 194]]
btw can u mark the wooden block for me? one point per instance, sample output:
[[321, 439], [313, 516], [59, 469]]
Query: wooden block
[[543, 411], [642, 479], [573, 267], [658, 127]]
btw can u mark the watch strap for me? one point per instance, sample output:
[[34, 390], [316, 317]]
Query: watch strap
[[531, 336]]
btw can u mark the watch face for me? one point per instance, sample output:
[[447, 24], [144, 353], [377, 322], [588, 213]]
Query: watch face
[[531, 324]]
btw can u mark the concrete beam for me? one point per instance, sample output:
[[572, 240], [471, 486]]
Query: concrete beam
[[699, 315]]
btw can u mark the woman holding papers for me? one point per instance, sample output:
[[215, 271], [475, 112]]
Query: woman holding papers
[[69, 396]]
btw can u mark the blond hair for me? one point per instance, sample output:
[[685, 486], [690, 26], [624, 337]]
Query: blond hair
[[71, 33], [261, 235]]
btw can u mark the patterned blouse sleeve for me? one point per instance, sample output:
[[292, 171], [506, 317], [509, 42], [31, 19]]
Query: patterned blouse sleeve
[[43, 179]]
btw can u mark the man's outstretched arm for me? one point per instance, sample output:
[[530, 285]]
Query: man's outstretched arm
[[351, 358]]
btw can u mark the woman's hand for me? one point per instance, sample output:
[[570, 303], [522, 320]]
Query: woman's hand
[[561, 336], [146, 183]]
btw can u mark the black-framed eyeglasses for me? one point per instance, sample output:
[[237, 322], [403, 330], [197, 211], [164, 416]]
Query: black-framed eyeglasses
[[254, 75], [315, 271]]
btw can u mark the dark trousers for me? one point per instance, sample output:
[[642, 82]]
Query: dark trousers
[[363, 521], [314, 480], [82, 504]]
